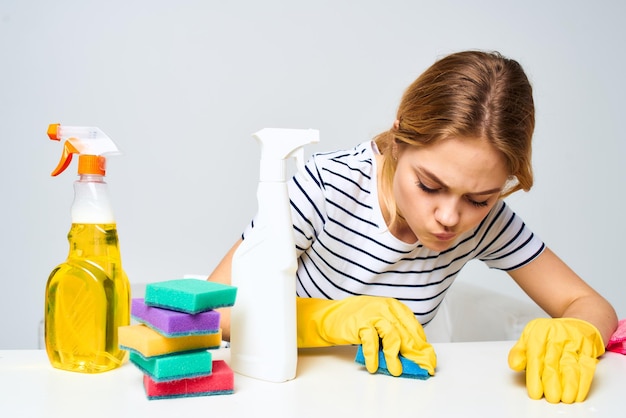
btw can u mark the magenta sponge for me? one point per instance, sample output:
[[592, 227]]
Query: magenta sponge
[[220, 382], [190, 295], [172, 323]]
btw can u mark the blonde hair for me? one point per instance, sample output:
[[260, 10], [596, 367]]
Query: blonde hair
[[470, 94]]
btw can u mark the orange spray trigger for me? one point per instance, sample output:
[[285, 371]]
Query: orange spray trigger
[[66, 158]]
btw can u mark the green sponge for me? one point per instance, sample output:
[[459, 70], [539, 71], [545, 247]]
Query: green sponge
[[189, 295], [175, 367]]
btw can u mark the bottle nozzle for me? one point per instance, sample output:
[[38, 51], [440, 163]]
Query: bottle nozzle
[[53, 131], [279, 144]]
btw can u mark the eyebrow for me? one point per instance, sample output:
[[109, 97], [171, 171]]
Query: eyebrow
[[445, 186]]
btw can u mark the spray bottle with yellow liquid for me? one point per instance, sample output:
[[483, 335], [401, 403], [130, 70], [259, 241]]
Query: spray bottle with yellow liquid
[[87, 296]]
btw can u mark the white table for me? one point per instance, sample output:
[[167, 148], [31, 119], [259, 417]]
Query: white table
[[472, 379]]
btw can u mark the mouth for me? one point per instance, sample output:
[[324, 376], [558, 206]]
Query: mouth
[[445, 236]]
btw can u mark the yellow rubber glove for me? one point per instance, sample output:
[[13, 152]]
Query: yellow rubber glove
[[559, 356], [366, 320]]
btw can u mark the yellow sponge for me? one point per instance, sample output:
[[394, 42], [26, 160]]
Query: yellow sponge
[[148, 343]]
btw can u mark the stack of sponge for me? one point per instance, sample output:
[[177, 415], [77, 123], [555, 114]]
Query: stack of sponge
[[178, 325]]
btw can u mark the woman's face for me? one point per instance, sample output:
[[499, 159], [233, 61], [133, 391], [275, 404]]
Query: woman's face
[[446, 189]]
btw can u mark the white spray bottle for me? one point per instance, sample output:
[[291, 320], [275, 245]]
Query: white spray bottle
[[263, 331]]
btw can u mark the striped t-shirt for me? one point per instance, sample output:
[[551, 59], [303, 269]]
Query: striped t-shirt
[[345, 248]]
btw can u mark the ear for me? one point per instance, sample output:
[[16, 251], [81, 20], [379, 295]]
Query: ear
[[396, 124]]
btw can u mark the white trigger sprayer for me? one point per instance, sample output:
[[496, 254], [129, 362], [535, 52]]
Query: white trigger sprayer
[[263, 321]]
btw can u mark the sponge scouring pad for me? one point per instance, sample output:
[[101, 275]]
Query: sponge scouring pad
[[410, 369], [180, 366], [190, 295], [148, 343], [172, 323], [220, 382]]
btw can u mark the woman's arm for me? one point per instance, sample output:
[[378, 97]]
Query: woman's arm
[[222, 274], [559, 291]]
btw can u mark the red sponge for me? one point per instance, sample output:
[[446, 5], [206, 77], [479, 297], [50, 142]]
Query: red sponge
[[220, 382]]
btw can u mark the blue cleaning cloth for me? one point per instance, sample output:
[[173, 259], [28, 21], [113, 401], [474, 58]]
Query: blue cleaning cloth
[[410, 369]]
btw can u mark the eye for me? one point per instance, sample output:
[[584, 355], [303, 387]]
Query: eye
[[477, 203], [425, 188]]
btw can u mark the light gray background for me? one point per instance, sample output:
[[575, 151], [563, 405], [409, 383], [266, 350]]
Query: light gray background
[[181, 85]]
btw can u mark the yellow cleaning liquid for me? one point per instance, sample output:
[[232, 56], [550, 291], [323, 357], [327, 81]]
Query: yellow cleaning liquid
[[87, 299]]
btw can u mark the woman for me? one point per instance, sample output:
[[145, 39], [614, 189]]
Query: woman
[[382, 230]]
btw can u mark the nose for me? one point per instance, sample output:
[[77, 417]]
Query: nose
[[447, 212]]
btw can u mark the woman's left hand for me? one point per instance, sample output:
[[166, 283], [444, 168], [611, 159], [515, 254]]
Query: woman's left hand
[[560, 357]]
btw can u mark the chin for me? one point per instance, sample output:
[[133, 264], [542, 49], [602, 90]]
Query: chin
[[437, 246]]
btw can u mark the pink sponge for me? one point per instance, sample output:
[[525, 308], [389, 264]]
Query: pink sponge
[[220, 382], [617, 342], [173, 323]]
